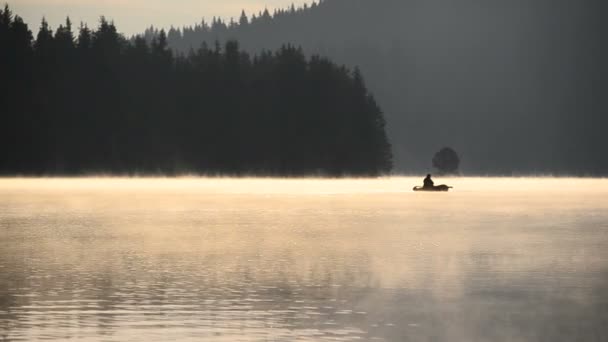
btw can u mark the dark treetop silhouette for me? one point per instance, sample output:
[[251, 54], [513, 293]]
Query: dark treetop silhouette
[[101, 103], [515, 85], [446, 161]]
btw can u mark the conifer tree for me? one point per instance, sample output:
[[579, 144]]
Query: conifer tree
[[243, 20], [84, 37], [44, 40]]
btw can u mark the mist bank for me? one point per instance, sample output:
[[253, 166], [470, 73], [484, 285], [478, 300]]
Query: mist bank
[[100, 103], [515, 86]]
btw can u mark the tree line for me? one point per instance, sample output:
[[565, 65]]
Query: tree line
[[95, 101]]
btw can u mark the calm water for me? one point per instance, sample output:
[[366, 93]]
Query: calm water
[[303, 260]]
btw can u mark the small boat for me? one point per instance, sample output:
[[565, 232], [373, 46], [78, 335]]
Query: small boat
[[435, 188]]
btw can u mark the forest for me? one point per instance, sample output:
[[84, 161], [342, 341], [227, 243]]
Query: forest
[[476, 75], [93, 101]]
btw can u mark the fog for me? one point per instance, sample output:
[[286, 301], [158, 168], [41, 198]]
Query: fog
[[159, 259]]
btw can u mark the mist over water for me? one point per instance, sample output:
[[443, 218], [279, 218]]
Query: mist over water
[[114, 259]]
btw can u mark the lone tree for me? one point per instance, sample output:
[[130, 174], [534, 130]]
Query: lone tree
[[446, 161]]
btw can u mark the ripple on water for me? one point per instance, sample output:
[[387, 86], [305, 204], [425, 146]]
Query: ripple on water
[[267, 260]]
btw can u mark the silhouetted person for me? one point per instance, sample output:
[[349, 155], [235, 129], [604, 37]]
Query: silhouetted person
[[428, 182]]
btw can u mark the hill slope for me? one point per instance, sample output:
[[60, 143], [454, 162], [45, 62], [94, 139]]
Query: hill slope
[[514, 86]]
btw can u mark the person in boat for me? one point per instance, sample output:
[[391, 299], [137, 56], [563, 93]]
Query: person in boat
[[428, 182]]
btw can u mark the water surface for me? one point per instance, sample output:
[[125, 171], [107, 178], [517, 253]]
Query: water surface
[[107, 259]]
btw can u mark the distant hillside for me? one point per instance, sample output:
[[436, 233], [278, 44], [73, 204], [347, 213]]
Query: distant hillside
[[513, 85]]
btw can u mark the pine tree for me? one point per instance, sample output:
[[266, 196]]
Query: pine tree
[[6, 18], [64, 37], [84, 38], [243, 20], [44, 39]]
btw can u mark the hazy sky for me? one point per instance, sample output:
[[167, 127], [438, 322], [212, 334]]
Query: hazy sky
[[133, 16]]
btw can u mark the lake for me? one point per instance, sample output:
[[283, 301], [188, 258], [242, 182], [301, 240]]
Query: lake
[[220, 259]]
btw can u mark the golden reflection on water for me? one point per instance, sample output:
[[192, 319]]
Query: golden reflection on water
[[115, 259]]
